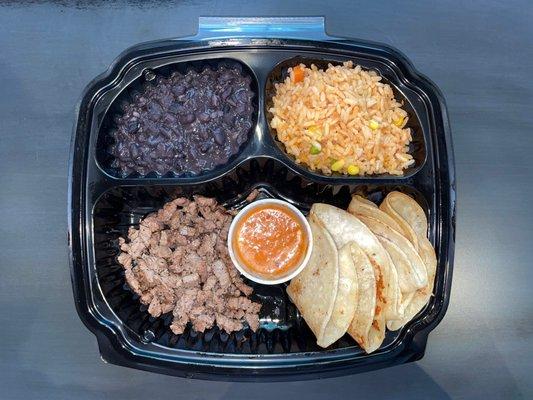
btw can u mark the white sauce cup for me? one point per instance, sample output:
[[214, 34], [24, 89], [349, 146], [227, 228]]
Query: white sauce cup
[[249, 273]]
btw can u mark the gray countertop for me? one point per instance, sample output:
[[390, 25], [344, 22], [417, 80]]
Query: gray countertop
[[480, 54]]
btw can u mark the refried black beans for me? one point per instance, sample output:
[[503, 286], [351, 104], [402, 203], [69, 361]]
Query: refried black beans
[[187, 123]]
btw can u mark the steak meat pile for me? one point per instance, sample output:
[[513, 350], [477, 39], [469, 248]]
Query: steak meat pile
[[177, 261]]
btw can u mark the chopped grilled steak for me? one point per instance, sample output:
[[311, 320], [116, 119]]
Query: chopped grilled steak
[[177, 261]]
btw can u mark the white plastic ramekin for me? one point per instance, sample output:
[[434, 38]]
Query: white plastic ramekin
[[250, 274]]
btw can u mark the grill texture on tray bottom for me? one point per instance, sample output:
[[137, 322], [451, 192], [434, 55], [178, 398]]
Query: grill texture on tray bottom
[[282, 328]]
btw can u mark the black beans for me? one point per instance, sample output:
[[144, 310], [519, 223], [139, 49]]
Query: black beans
[[226, 76], [203, 134], [169, 119], [204, 148], [228, 118], [203, 117], [187, 118], [186, 123], [215, 101], [174, 107], [178, 90], [167, 132], [241, 96], [132, 126], [153, 140], [134, 150], [219, 136], [240, 108], [154, 110], [226, 93], [166, 100], [124, 153]]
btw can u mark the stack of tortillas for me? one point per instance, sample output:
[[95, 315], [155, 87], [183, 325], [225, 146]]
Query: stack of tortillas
[[371, 269]]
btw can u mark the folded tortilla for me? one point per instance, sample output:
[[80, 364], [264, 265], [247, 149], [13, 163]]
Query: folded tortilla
[[325, 290], [408, 213], [406, 228], [344, 228], [360, 206], [368, 324], [412, 273], [345, 304]]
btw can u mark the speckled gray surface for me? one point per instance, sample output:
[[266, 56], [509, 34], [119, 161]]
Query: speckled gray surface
[[479, 53]]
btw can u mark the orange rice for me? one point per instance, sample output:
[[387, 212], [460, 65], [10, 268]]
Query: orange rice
[[343, 119]]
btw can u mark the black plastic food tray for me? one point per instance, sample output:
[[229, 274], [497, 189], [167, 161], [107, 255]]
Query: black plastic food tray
[[102, 205]]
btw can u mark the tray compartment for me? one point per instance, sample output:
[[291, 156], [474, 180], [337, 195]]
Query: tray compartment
[[417, 147], [134, 88], [282, 328]]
